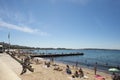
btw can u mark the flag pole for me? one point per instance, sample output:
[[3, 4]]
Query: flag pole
[[9, 41]]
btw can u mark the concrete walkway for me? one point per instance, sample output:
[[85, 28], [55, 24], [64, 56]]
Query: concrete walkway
[[9, 68]]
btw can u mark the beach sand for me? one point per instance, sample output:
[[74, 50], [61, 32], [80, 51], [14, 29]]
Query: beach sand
[[41, 72], [44, 73]]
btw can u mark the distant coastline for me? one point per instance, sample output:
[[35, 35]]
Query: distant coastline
[[98, 49], [5, 45]]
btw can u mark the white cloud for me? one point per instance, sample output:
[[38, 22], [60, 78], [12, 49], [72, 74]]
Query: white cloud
[[21, 28], [16, 27], [20, 20], [17, 16]]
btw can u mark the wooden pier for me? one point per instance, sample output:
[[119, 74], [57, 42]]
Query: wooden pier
[[56, 55]]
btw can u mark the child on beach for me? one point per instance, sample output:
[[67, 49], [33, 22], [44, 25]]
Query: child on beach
[[68, 71], [76, 74], [73, 77], [81, 73]]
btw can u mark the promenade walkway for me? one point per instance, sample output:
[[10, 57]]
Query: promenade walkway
[[9, 68]]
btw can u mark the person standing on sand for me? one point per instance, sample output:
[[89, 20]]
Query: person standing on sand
[[113, 76], [95, 68], [76, 64]]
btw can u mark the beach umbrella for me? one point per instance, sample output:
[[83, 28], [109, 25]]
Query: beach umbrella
[[113, 70]]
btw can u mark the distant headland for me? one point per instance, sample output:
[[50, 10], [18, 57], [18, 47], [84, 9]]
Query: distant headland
[[6, 46]]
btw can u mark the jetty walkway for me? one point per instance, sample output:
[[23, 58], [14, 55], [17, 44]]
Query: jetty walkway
[[56, 55]]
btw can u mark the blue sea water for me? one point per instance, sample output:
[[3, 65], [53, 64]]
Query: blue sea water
[[104, 58]]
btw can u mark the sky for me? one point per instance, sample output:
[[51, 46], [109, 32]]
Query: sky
[[61, 23]]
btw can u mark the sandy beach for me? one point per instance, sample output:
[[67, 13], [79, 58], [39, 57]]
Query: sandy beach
[[41, 72]]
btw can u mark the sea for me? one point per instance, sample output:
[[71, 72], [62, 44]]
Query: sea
[[105, 59]]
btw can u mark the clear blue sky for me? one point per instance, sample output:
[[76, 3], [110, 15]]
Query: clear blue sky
[[61, 23]]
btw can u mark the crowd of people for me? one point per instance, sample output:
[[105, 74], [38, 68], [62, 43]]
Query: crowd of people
[[76, 74]]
